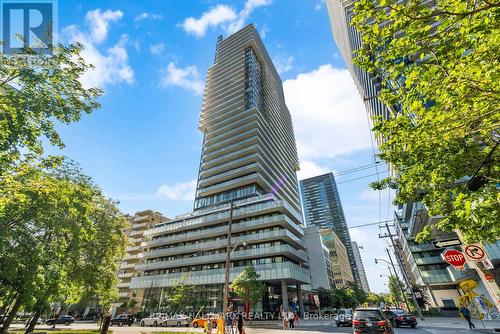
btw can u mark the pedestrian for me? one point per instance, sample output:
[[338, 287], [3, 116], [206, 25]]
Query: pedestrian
[[284, 317], [241, 324], [220, 325], [466, 314], [296, 319], [290, 317]]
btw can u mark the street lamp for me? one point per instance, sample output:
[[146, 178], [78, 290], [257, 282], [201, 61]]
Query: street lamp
[[395, 274]]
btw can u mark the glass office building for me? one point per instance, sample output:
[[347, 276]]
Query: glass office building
[[248, 162], [322, 208]]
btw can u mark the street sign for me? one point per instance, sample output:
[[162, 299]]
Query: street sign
[[455, 258], [475, 252], [487, 264], [447, 243]]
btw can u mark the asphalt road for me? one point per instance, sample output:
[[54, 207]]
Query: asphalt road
[[302, 330]]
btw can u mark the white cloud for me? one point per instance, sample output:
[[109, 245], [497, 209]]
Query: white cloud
[[309, 169], [212, 18], [156, 49], [222, 15], [110, 66], [145, 16], [327, 112], [187, 77], [282, 63], [319, 4], [243, 15], [98, 23], [184, 191]]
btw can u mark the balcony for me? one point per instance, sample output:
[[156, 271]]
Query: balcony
[[123, 295], [250, 238], [429, 260], [123, 285], [133, 248], [437, 276], [125, 265], [268, 272], [139, 226], [287, 250], [275, 220], [247, 207], [132, 257], [125, 275], [136, 232]]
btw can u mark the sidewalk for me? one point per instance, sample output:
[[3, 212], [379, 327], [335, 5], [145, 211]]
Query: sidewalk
[[458, 323], [429, 322]]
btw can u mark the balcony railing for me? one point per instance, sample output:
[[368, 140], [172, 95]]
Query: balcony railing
[[261, 236], [298, 255], [281, 220], [126, 265], [273, 271], [429, 260]]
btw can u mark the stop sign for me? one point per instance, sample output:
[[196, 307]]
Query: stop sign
[[454, 257]]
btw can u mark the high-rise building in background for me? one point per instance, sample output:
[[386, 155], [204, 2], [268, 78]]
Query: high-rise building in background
[[247, 171], [139, 222], [322, 208], [341, 266], [421, 263], [360, 266], [319, 259]]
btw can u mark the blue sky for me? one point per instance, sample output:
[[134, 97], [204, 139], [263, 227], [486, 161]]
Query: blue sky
[[143, 146]]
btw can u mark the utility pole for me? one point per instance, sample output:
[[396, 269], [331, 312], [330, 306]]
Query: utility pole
[[228, 263], [397, 277], [405, 277]]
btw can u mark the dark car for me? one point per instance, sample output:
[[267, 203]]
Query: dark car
[[370, 320], [63, 319], [399, 318], [122, 319]]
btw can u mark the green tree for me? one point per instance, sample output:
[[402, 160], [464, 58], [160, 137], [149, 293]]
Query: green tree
[[376, 299], [35, 93], [248, 287], [60, 238], [181, 294], [325, 297], [395, 294], [439, 72]]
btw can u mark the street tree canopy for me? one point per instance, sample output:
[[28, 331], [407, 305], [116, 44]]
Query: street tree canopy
[[440, 78], [248, 287], [35, 93], [60, 238]]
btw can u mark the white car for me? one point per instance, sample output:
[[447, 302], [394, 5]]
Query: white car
[[155, 319], [177, 320]]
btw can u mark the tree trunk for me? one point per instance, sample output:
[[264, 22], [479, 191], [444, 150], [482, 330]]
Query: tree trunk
[[11, 316], [32, 323], [59, 313]]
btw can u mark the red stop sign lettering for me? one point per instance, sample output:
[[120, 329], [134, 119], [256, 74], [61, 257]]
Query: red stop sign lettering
[[454, 257]]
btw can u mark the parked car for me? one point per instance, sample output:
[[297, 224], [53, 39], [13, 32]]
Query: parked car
[[122, 319], [399, 318], [177, 320], [154, 319], [371, 320], [344, 317], [200, 322], [62, 319]]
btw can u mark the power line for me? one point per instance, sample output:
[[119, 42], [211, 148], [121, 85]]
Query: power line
[[357, 169], [359, 178], [369, 224]]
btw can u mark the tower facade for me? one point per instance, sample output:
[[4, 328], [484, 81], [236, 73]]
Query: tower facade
[[361, 267], [247, 174], [322, 208]]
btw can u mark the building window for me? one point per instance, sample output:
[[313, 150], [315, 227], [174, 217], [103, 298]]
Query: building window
[[448, 303], [254, 86]]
